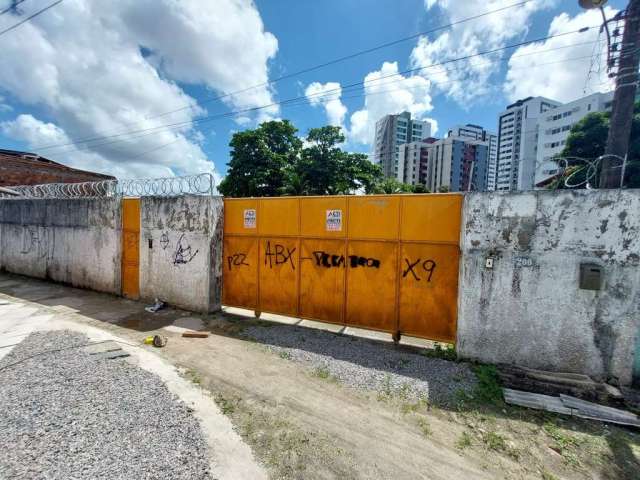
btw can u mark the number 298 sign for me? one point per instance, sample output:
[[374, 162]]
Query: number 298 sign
[[334, 221]]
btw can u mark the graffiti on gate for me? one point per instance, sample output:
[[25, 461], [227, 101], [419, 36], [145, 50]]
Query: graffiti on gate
[[418, 270], [237, 260], [329, 260], [279, 255]]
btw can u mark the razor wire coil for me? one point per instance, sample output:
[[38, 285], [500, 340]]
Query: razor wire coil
[[200, 184]]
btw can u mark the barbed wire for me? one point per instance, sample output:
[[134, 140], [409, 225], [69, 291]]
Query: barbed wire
[[570, 167], [201, 184]]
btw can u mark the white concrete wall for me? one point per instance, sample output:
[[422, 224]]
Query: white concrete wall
[[181, 251], [528, 309], [70, 241]]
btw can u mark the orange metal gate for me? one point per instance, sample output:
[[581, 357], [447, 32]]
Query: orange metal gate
[[382, 262], [131, 247]]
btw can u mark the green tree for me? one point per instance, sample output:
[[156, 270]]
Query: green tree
[[420, 188], [259, 159], [391, 185], [323, 168], [587, 140]]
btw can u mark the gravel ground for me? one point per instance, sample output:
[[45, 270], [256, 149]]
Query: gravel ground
[[70, 415], [369, 365]]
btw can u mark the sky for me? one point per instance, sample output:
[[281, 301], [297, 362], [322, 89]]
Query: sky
[[156, 88]]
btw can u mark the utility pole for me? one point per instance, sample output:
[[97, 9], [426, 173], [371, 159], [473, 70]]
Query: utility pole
[[623, 100]]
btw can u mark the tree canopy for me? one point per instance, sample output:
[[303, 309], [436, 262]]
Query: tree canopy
[[587, 140], [259, 159], [272, 160]]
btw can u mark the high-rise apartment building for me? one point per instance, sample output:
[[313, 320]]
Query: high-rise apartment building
[[518, 142], [476, 132], [391, 132], [413, 161], [554, 128], [459, 164]]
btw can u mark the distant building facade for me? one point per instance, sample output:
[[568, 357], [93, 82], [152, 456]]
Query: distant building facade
[[554, 128], [413, 161], [23, 168], [476, 132], [391, 132], [458, 164], [518, 142]]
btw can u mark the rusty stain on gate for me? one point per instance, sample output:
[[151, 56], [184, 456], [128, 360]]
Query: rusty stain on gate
[[381, 262]]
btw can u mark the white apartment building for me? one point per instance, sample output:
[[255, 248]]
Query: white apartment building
[[391, 132], [518, 142], [554, 128], [413, 161], [476, 132]]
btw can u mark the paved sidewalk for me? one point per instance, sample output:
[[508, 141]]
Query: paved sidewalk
[[28, 306]]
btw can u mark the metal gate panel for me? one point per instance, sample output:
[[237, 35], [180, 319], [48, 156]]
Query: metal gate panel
[[374, 217], [429, 291], [371, 285], [278, 275], [131, 247], [432, 218], [237, 216], [316, 211], [383, 262], [240, 272], [279, 216], [322, 278]]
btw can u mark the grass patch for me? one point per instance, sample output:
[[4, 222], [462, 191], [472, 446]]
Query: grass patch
[[284, 355], [463, 441], [413, 407], [494, 441], [488, 389], [322, 372], [425, 428], [226, 406], [444, 351], [194, 376], [545, 475], [564, 443]]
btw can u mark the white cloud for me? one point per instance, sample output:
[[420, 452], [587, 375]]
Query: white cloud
[[467, 80], [388, 92], [565, 80], [328, 95], [81, 65]]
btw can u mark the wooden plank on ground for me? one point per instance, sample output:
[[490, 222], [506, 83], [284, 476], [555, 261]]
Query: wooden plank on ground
[[598, 412], [535, 400]]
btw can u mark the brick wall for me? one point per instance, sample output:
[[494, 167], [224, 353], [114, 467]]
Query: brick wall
[[20, 170]]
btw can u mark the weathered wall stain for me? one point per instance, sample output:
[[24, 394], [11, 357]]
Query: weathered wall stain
[[71, 241], [184, 266], [532, 312]]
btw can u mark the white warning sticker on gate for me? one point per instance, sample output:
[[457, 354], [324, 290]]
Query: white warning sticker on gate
[[250, 218], [334, 220]]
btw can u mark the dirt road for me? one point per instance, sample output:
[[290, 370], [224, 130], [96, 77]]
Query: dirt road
[[302, 424]]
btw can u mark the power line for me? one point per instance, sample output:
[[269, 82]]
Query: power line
[[6, 30], [330, 62], [304, 101], [350, 56], [13, 5], [333, 91]]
